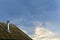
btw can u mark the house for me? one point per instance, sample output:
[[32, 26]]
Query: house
[[10, 31]]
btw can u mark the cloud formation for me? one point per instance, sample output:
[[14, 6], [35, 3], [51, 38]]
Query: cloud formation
[[44, 34]]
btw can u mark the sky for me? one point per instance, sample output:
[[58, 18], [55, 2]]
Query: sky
[[33, 16]]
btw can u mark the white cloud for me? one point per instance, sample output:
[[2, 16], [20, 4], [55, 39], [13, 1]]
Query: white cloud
[[44, 34]]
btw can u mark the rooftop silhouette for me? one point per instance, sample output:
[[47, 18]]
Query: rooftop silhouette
[[16, 33]]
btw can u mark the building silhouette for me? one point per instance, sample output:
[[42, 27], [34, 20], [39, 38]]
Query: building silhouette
[[15, 33]]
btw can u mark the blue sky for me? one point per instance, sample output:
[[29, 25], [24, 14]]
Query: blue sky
[[24, 12]]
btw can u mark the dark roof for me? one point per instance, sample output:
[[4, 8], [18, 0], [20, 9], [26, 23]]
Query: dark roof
[[16, 33]]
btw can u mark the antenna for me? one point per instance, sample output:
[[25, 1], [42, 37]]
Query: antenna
[[8, 28]]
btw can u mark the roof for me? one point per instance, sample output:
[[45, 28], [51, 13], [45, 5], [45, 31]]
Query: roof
[[16, 33]]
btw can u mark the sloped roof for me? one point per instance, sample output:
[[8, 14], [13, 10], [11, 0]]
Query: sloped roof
[[16, 33]]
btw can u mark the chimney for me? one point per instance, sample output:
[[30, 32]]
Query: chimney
[[8, 28]]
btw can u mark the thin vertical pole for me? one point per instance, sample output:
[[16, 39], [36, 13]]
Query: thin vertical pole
[[8, 29]]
